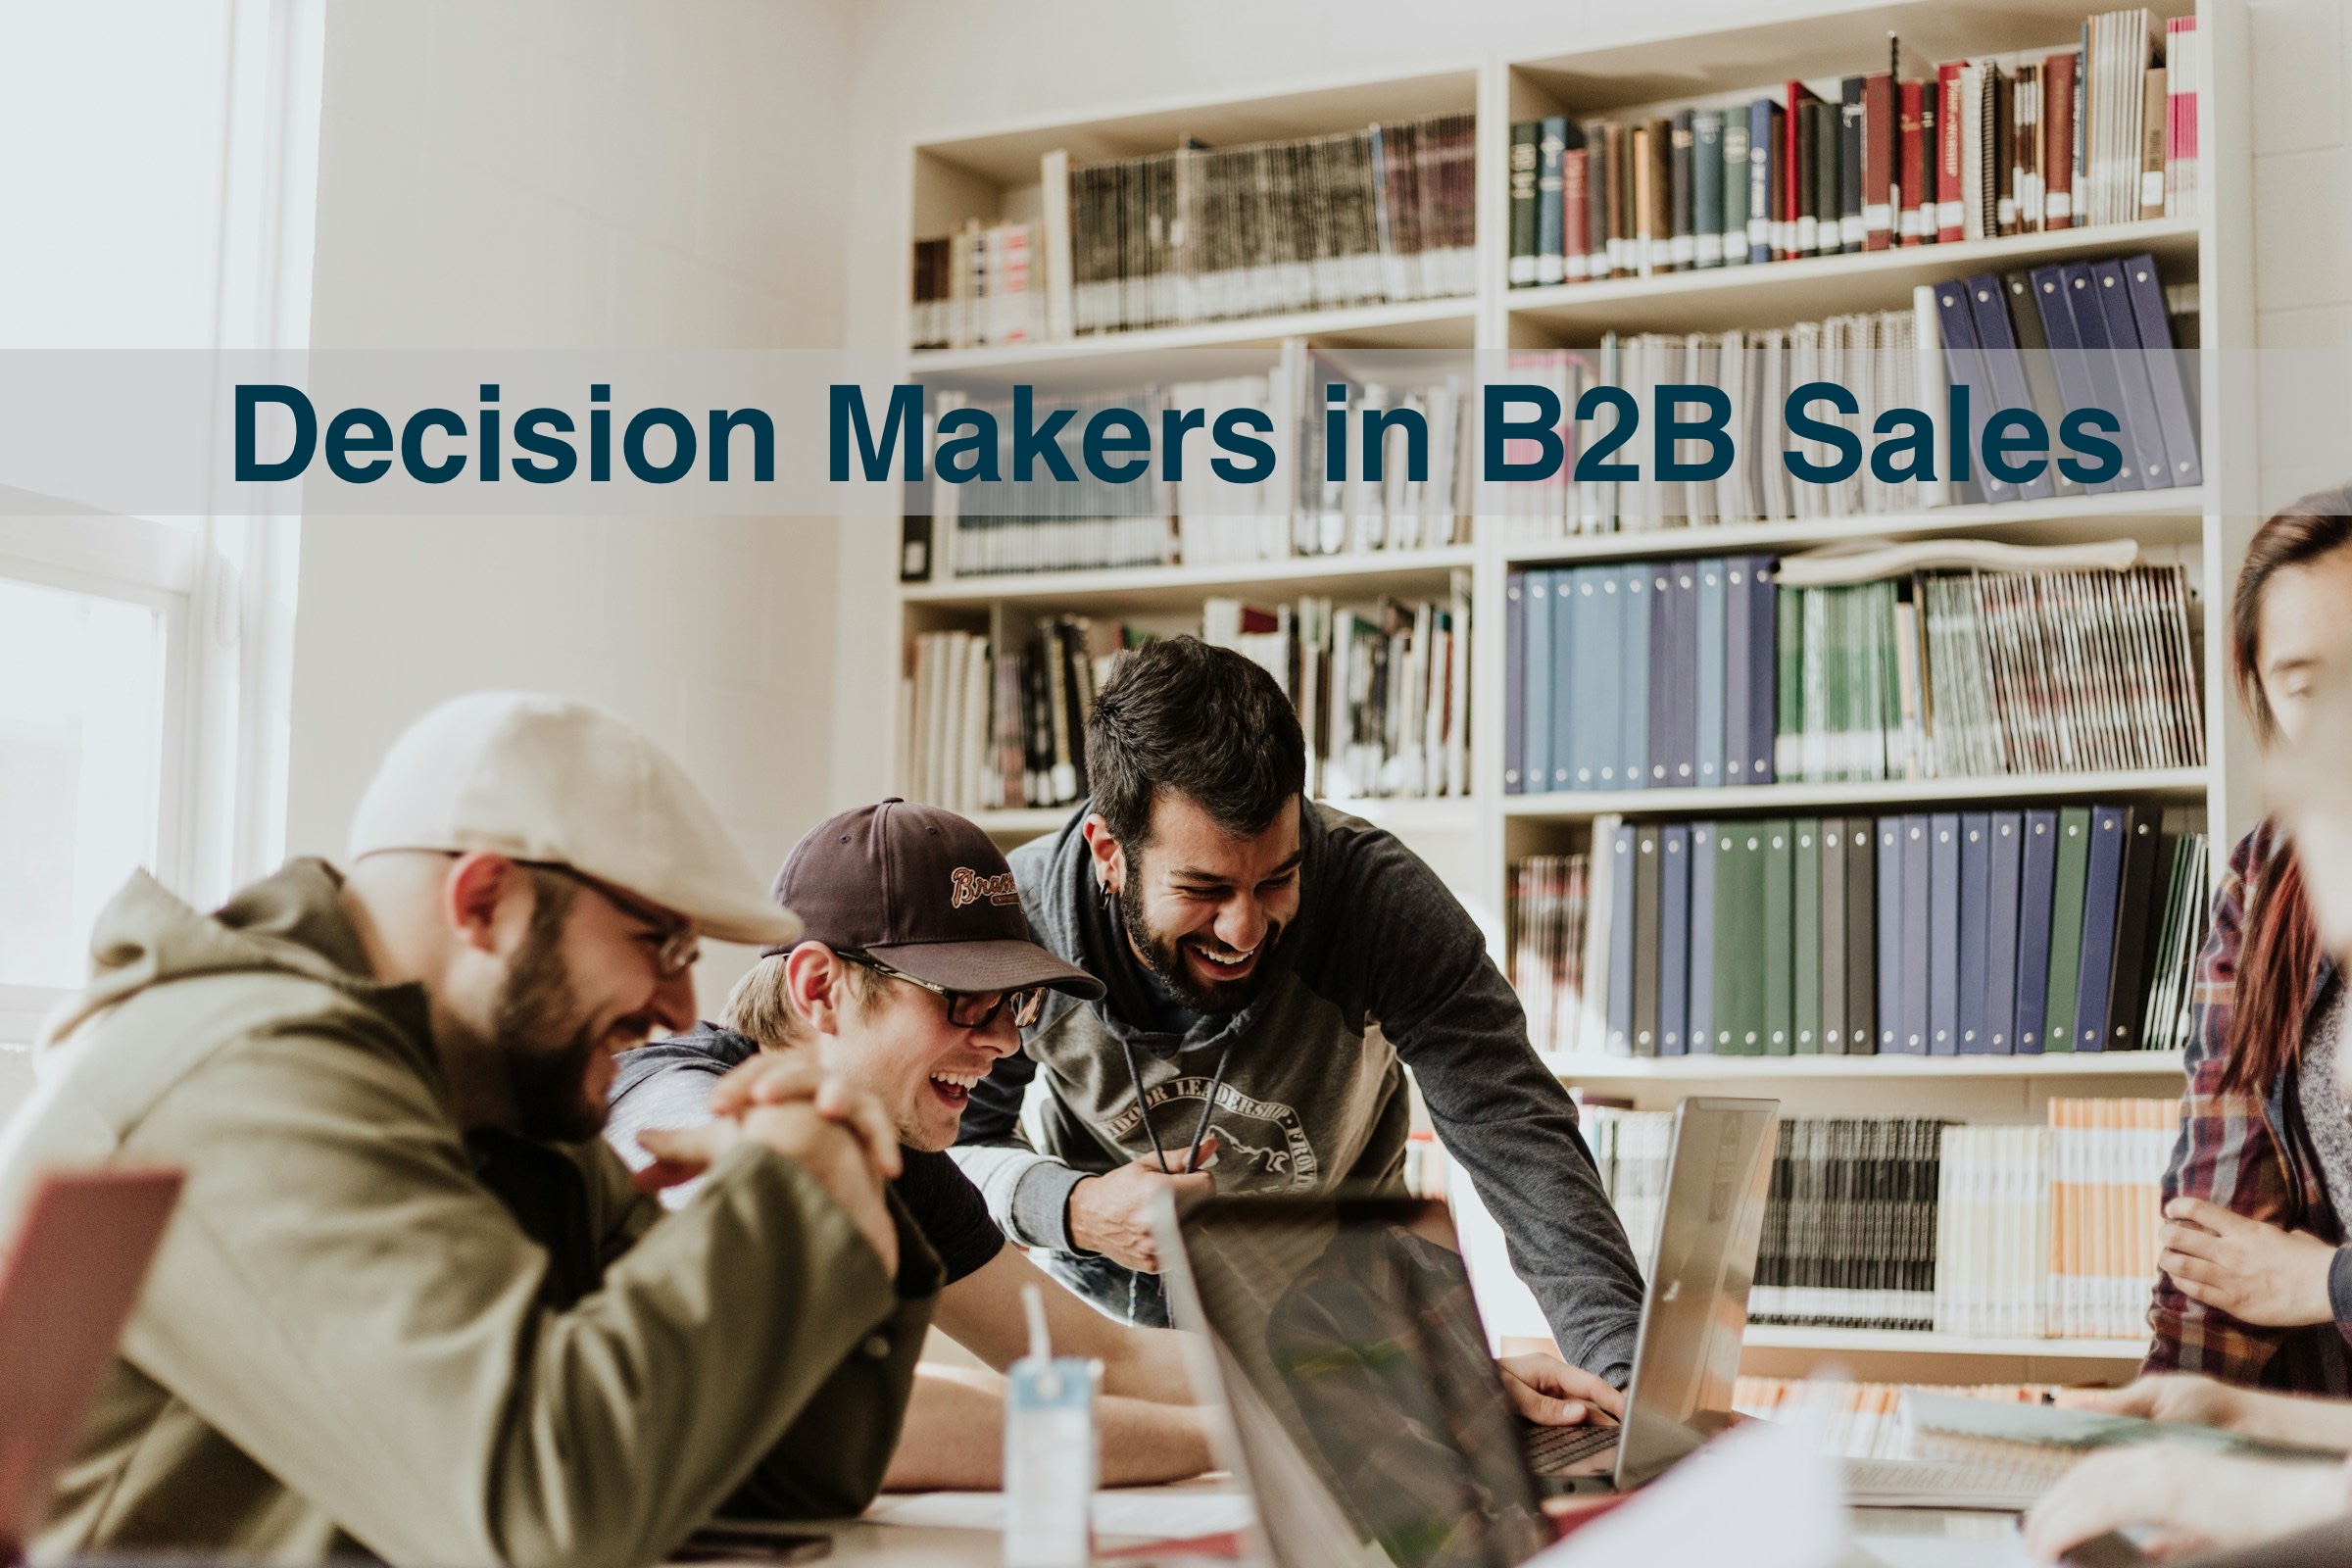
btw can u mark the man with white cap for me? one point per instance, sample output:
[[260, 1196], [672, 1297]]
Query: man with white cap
[[412, 1306]]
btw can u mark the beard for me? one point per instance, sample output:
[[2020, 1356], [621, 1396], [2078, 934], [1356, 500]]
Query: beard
[[544, 1041], [1162, 955]]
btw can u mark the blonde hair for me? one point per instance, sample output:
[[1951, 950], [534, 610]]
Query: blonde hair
[[761, 1008]]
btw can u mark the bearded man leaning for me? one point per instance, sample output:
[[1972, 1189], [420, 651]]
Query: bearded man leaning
[[412, 1306]]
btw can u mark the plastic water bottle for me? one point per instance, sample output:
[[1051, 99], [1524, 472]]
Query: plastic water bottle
[[1049, 1453]]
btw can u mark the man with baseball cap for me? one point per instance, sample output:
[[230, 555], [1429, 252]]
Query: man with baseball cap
[[914, 976], [412, 1307]]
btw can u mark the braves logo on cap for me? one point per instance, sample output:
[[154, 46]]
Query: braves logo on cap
[[971, 887]]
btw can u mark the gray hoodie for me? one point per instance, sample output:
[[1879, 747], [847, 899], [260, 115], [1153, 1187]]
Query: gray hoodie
[[1381, 970]]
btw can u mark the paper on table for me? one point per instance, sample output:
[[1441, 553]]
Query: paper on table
[[1159, 1514], [1762, 1497]]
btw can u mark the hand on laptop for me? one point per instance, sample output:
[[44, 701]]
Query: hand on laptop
[[1111, 1214], [2195, 1500], [1550, 1392]]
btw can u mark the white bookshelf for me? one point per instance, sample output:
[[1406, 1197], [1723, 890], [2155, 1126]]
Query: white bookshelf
[[981, 172]]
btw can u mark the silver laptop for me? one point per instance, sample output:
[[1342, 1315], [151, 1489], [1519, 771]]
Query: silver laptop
[[1364, 1408]]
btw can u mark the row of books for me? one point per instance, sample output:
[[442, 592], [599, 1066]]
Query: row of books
[[2029, 1232], [1704, 674], [2063, 928], [987, 728], [972, 287], [2053, 339], [1988, 147], [1865, 1420], [2052, 1229]]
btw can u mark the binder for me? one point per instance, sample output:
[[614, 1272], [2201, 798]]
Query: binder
[[1674, 938], [1514, 680], [2140, 419], [1674, 668], [1976, 881], [1889, 957], [2000, 933], [1644, 1030], [1943, 933], [1988, 304], [1917, 886], [1738, 645], [1778, 914], [1599, 688], [1633, 680], [2066, 927], [1699, 1018], [2038, 875], [2136, 928], [1763, 666], [1964, 363], [1621, 917], [2041, 379], [1535, 712], [1861, 959], [1831, 936], [1738, 940], [2107, 387], [1804, 928], [2102, 884], [2165, 376], [1711, 630], [2053, 302]]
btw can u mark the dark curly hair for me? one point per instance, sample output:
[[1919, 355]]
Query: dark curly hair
[[1202, 722]]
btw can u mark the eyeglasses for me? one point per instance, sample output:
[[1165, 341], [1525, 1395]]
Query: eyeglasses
[[967, 1010], [681, 946]]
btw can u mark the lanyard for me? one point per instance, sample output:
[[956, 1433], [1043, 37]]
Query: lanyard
[[1199, 1129]]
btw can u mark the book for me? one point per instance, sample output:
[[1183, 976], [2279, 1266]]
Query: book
[[1551, 142], [1880, 187], [1862, 1000], [2066, 890], [1514, 679], [1950, 207], [1805, 931], [1623, 936], [1673, 939], [1526, 137], [1831, 937], [1643, 1034], [2135, 929], [1699, 1009], [2003, 907], [1893, 1007], [1776, 915], [2175, 416], [2102, 886], [1975, 895]]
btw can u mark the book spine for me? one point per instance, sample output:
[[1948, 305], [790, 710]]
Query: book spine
[[1949, 207], [1526, 136]]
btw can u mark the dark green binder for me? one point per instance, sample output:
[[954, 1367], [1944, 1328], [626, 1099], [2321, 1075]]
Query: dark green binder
[[2066, 928], [1805, 985]]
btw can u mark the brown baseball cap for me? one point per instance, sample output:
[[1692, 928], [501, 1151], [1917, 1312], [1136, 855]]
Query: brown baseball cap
[[924, 891]]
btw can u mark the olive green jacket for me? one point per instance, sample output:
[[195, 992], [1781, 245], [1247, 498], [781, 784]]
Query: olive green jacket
[[366, 1331]]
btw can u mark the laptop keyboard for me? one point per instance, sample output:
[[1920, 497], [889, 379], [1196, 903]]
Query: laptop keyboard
[[1552, 1449]]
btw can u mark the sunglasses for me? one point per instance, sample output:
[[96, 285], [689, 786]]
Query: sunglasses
[[967, 1010]]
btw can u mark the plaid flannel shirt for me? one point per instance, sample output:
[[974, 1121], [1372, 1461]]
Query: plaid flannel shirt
[[2249, 1153]]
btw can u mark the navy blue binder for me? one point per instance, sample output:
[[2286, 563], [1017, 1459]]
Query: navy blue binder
[[2038, 880], [1673, 939], [1699, 1015], [1514, 680], [1737, 647], [2102, 886], [1918, 886], [1763, 664], [2000, 934], [1976, 881], [1943, 933], [1622, 879], [1965, 365], [2142, 421], [1890, 934], [1637, 603], [2107, 387], [2165, 374], [1712, 624], [1534, 747], [2052, 302], [1997, 342]]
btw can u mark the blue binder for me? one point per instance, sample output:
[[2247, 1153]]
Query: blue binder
[[2000, 933], [1890, 934], [2175, 414], [1636, 603], [1535, 711], [1996, 343], [1965, 364], [1943, 933], [1674, 668], [1918, 886], [1621, 942], [2102, 882], [2107, 387], [1763, 664], [2053, 301], [1570, 673], [1710, 686], [1673, 939], [2038, 881], [1699, 1025], [1976, 879], [2140, 419], [1514, 680], [1737, 647], [1600, 684]]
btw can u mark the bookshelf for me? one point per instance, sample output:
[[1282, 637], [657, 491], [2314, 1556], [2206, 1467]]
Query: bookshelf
[[989, 172]]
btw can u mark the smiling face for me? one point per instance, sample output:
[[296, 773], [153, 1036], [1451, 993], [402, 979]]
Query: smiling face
[[2306, 635], [1203, 909], [894, 1041]]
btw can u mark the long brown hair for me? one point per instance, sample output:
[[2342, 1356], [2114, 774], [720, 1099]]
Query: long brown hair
[[2280, 954]]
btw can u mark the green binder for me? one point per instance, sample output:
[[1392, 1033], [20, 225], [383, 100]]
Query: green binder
[[1779, 946], [1806, 983], [2066, 928], [1739, 941]]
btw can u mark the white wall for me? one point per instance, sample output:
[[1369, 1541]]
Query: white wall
[[589, 173]]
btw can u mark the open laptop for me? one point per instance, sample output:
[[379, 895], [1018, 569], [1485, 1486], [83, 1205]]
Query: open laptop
[[69, 1279], [1365, 1410]]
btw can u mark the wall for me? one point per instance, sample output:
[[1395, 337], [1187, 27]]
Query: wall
[[585, 174]]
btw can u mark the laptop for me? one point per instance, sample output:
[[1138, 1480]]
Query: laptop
[[68, 1282], [1365, 1411]]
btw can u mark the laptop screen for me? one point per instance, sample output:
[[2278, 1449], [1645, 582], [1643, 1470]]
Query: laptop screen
[[1348, 1324]]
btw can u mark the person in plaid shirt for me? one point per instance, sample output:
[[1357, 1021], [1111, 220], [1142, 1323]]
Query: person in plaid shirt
[[2256, 1284]]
